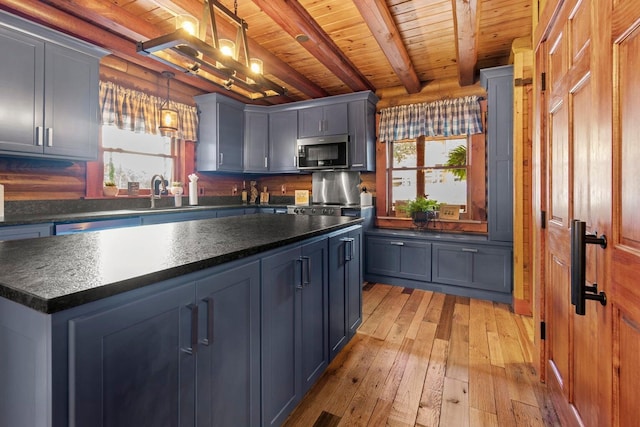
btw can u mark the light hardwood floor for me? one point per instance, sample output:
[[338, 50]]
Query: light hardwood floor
[[429, 359]]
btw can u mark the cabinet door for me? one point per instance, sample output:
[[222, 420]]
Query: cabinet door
[[336, 119], [21, 80], [228, 380], [452, 264], [323, 120], [310, 121], [256, 140], [345, 288], [492, 269], [338, 332], [230, 212], [281, 347], [134, 365], [383, 256], [71, 109], [354, 282], [230, 137], [362, 135], [314, 312], [283, 132]]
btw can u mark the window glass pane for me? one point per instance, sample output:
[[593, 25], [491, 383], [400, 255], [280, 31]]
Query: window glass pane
[[404, 154], [404, 184], [137, 168], [446, 186], [112, 137], [445, 152], [139, 156]]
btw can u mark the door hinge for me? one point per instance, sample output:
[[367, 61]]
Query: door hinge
[[543, 330], [543, 82], [543, 219]]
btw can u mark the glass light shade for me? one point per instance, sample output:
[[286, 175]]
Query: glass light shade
[[188, 23], [227, 47], [168, 118], [256, 65]]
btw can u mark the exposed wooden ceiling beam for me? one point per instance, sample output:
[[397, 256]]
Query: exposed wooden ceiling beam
[[274, 65], [466, 19], [378, 17], [295, 20]]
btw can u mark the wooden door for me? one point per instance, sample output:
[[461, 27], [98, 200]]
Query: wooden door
[[624, 246], [589, 57]]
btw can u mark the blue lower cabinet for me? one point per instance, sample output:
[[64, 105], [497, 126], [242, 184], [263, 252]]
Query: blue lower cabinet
[[294, 326], [399, 258], [345, 288], [186, 356], [228, 375], [18, 232], [135, 364]]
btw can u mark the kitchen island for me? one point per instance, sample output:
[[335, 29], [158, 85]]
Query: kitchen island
[[205, 322]]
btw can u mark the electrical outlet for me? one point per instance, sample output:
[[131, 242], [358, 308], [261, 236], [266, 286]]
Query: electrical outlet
[[283, 188], [234, 190], [201, 191]]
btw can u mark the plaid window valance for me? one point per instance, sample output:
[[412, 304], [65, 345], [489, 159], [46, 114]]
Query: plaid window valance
[[139, 112], [447, 117]]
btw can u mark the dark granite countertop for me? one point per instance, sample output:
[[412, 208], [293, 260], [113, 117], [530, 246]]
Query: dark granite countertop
[[55, 273], [24, 219]]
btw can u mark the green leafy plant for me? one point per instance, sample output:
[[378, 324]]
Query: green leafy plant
[[422, 204], [111, 173], [458, 157]]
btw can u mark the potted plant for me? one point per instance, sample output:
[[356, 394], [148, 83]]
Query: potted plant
[[176, 188], [110, 189], [422, 210]]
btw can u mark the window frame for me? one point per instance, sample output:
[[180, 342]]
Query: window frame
[[420, 158]]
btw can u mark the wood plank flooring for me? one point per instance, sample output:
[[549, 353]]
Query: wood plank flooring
[[428, 359]]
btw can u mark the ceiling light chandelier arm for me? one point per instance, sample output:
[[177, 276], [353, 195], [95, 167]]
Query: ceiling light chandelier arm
[[196, 54]]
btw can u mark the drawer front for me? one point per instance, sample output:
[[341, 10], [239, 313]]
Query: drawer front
[[452, 264], [399, 258], [383, 256], [492, 270]]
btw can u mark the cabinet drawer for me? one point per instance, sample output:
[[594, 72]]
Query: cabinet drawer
[[407, 259], [486, 268]]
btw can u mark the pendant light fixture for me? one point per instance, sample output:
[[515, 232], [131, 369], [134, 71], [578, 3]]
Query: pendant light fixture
[[168, 114], [187, 50]]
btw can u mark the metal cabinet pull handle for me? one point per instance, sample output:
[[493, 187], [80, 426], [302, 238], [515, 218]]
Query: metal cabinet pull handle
[[266, 162], [39, 136], [299, 284], [397, 243], [209, 339], [580, 292], [475, 251], [357, 165], [306, 278], [49, 137], [194, 330], [348, 250], [221, 158]]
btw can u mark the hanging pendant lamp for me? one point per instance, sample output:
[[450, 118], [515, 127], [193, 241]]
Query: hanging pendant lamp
[[168, 114]]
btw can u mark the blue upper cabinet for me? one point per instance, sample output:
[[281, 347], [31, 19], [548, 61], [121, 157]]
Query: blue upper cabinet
[[323, 120], [362, 135], [256, 139], [498, 82], [221, 133], [50, 93], [283, 132]]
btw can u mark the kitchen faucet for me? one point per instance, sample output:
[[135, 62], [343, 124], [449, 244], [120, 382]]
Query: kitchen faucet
[[163, 187]]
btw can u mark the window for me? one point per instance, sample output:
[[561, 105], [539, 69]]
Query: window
[[136, 157], [435, 167]]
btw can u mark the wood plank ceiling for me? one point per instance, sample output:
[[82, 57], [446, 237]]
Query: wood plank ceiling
[[351, 45]]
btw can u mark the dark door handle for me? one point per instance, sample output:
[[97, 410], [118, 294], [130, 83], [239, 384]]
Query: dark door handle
[[193, 308], [580, 292], [209, 339]]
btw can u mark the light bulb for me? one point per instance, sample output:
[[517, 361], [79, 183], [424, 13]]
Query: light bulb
[[187, 23], [227, 47], [256, 65]]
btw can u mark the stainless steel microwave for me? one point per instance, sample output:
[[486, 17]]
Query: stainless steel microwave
[[323, 152]]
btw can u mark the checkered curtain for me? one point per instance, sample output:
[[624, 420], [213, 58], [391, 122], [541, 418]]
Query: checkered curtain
[[139, 112], [446, 117]]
